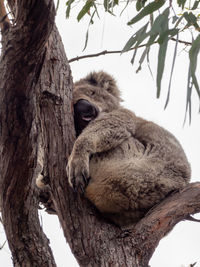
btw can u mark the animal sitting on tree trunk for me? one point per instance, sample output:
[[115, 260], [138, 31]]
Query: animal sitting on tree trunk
[[123, 164]]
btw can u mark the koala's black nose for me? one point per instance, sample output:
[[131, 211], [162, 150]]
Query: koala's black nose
[[85, 109], [84, 112]]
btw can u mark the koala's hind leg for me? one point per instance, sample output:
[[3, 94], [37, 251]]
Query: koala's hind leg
[[107, 199], [132, 188], [151, 181]]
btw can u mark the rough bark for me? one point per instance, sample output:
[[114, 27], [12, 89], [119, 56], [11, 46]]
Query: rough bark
[[36, 118], [21, 61]]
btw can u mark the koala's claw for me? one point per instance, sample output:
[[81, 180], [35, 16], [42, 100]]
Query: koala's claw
[[79, 183], [82, 189], [86, 180], [78, 177]]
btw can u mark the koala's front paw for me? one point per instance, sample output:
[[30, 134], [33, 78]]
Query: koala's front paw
[[78, 172]]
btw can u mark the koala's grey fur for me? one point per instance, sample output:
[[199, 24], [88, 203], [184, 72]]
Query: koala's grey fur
[[132, 163]]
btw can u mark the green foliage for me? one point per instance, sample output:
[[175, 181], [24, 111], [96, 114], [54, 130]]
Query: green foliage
[[140, 4], [192, 79], [195, 6], [163, 42], [157, 22], [191, 20], [109, 5], [137, 38], [181, 3], [85, 9], [193, 53], [149, 9], [172, 69], [69, 3]]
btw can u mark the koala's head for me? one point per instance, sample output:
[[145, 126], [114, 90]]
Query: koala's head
[[93, 94]]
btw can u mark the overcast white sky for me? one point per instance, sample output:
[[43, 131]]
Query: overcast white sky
[[181, 247]]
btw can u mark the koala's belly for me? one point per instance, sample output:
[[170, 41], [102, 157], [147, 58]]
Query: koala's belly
[[103, 165]]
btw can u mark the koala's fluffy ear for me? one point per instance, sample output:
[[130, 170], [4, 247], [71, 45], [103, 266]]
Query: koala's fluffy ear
[[105, 81]]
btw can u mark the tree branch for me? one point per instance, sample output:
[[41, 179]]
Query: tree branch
[[144, 237], [106, 52], [159, 221]]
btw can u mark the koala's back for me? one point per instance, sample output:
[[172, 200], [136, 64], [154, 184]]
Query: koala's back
[[128, 180]]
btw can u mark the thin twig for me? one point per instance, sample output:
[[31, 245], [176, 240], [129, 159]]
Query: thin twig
[[94, 55], [181, 41], [105, 52], [3, 245]]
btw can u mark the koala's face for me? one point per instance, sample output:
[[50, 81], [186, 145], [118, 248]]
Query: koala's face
[[95, 94], [102, 99]]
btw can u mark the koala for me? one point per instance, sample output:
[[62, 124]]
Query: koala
[[122, 163]]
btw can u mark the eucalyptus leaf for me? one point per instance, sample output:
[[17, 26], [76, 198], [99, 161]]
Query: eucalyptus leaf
[[161, 63], [133, 57], [86, 39], [167, 34], [138, 37], [85, 9], [191, 19], [193, 55], [87, 33], [139, 5], [181, 3], [106, 4], [111, 13], [115, 3], [147, 10], [172, 70], [174, 19], [148, 63], [159, 22], [68, 7], [142, 59], [178, 21], [145, 53], [158, 27], [162, 51], [96, 11], [130, 43], [188, 99], [127, 2], [195, 6]]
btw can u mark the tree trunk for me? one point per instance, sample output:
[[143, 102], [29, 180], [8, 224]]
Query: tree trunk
[[23, 50], [37, 135]]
